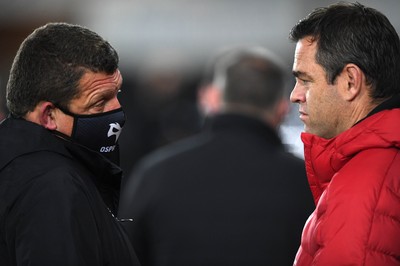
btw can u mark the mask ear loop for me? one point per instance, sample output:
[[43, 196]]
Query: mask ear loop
[[74, 116], [65, 111]]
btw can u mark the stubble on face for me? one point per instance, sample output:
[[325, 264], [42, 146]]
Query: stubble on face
[[319, 102]]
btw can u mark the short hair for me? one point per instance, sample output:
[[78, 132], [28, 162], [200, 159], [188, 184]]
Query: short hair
[[51, 61], [251, 76], [352, 33]]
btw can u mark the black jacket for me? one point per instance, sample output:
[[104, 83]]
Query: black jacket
[[53, 196], [229, 196]]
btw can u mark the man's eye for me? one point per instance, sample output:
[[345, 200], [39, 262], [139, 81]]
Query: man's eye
[[304, 82], [99, 105]]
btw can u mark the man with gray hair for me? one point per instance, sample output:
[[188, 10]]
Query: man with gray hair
[[231, 195]]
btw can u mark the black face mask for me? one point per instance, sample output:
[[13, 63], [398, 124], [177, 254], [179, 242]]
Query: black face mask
[[99, 132]]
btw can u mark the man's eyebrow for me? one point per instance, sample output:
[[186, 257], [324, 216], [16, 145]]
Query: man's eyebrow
[[301, 74]]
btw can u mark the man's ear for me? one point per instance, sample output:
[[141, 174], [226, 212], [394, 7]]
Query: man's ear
[[47, 116], [352, 77], [209, 99], [44, 115]]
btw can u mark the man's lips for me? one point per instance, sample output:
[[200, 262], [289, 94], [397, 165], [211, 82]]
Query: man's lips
[[302, 114]]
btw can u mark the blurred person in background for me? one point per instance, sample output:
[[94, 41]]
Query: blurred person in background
[[160, 105], [347, 70], [230, 195], [59, 174]]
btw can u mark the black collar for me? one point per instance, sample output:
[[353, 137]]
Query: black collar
[[240, 122], [391, 103]]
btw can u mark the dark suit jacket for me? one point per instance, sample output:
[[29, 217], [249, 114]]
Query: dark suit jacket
[[228, 196]]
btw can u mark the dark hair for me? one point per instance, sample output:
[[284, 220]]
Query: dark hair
[[252, 76], [51, 61], [352, 33]]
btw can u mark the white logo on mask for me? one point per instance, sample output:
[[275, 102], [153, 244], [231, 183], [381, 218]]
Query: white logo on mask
[[117, 128]]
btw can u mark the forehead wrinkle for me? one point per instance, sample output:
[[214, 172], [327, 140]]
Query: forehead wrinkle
[[114, 79], [91, 85], [93, 82]]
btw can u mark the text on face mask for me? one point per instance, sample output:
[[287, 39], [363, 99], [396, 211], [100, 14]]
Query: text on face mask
[[107, 148]]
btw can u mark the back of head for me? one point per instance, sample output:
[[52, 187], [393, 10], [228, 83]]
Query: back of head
[[352, 33], [50, 63], [250, 77]]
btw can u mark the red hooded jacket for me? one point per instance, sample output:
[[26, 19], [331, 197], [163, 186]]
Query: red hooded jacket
[[355, 181]]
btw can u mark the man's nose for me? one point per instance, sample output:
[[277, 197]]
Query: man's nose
[[297, 95]]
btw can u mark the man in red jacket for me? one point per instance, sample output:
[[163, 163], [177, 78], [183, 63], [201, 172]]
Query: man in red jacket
[[347, 70]]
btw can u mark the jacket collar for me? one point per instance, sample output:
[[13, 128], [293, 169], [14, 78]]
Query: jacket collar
[[22, 137], [25, 137], [391, 103], [234, 122]]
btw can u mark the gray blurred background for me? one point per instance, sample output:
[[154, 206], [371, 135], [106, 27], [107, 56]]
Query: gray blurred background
[[164, 46]]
